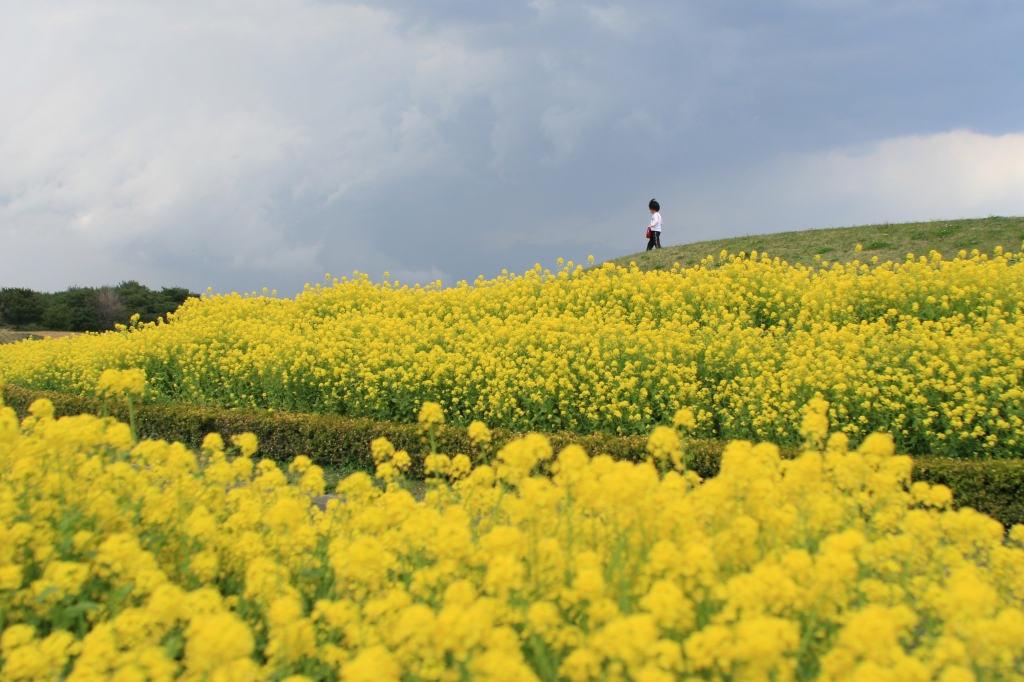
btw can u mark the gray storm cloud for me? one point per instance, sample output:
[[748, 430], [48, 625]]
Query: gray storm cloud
[[240, 145]]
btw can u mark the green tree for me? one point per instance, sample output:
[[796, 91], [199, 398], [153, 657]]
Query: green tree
[[81, 315], [149, 304], [21, 307], [82, 309], [57, 318]]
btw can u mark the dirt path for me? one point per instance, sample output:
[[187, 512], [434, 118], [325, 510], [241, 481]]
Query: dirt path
[[12, 336]]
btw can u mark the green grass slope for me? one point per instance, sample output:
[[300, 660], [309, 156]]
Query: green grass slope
[[887, 241]]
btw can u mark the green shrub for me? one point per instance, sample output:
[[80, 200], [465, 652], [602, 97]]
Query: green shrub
[[994, 487], [329, 440], [19, 307], [86, 308]]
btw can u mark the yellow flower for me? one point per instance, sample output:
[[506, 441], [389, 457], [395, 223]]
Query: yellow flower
[[607, 563], [246, 443], [431, 414], [382, 450], [665, 446], [41, 409], [518, 457], [684, 419], [923, 349], [436, 465], [213, 442], [214, 641], [374, 664], [114, 382], [16, 636], [460, 466], [814, 426], [10, 577], [478, 433]]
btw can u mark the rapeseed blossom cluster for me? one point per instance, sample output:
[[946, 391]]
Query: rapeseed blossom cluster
[[114, 382], [928, 350], [125, 560]]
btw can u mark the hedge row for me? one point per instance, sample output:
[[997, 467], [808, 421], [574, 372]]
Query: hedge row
[[329, 440], [995, 487]]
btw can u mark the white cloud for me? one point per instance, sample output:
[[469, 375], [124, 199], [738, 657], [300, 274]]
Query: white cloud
[[164, 124], [958, 171], [617, 18], [566, 128], [244, 144], [129, 183], [921, 177]]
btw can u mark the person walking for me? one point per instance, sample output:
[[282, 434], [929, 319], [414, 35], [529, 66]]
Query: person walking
[[654, 229]]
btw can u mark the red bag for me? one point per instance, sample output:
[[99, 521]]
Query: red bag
[[648, 233]]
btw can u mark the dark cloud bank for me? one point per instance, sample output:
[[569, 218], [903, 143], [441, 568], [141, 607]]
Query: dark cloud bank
[[237, 146]]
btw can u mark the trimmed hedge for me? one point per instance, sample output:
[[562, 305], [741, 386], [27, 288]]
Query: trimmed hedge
[[328, 440], [995, 487]]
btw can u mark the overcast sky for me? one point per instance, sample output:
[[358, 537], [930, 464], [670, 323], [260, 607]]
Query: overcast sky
[[241, 144]]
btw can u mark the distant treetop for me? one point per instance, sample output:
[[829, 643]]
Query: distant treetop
[[80, 309]]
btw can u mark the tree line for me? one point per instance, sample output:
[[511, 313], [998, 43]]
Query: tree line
[[82, 309]]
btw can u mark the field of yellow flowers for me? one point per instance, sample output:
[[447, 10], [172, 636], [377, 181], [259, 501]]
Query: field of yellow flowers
[[125, 560], [929, 350]]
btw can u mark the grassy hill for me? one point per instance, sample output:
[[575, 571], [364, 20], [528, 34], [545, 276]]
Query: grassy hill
[[887, 241]]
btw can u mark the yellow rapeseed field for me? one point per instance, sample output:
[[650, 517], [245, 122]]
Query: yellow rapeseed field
[[928, 350], [146, 561]]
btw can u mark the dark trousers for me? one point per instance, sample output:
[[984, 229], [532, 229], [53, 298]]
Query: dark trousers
[[655, 241]]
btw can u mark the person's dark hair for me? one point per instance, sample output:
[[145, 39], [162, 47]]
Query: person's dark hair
[[654, 205]]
